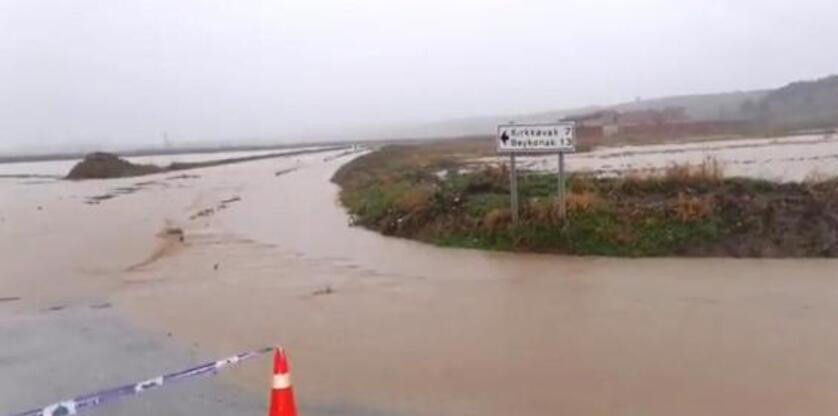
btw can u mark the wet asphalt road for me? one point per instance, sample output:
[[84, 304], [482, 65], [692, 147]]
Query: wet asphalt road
[[54, 355]]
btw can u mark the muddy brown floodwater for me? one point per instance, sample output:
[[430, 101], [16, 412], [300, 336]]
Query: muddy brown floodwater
[[383, 326]]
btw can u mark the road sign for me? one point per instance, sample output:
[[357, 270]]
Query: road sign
[[536, 138]]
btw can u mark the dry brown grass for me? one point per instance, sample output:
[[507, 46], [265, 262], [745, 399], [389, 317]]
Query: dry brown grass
[[548, 210], [693, 208], [708, 171], [585, 201], [496, 219], [415, 200], [815, 177], [541, 210], [640, 176], [582, 182], [498, 174]]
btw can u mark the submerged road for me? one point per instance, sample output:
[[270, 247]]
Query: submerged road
[[381, 326]]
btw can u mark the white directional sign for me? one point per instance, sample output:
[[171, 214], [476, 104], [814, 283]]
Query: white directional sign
[[536, 138]]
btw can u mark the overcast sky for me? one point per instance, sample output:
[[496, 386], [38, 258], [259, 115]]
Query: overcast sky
[[125, 71]]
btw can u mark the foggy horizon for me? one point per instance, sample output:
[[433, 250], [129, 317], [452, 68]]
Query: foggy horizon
[[124, 74]]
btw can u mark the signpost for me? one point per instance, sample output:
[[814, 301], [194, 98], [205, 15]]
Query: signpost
[[535, 139]]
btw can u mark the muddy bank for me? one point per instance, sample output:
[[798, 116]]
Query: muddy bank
[[414, 192]]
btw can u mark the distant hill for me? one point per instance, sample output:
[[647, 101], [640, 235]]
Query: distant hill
[[724, 106], [807, 104]]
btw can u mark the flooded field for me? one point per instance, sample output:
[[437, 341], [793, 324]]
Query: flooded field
[[793, 158], [382, 326], [60, 168]]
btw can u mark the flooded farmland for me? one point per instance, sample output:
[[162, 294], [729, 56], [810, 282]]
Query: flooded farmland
[[378, 325], [792, 158]]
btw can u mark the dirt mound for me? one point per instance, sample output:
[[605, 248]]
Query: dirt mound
[[101, 165]]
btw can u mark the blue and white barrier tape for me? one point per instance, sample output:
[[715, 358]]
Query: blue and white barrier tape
[[75, 405]]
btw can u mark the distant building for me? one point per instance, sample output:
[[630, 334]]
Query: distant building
[[670, 121], [599, 124], [597, 119]]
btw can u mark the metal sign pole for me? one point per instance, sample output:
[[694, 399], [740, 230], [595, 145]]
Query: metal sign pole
[[562, 193], [513, 189]]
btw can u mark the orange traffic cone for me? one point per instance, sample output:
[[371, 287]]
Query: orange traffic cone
[[282, 395]]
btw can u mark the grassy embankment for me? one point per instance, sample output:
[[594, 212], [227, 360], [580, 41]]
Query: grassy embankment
[[690, 211]]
